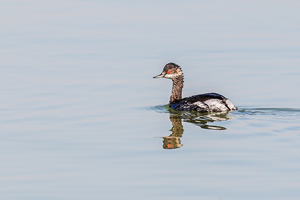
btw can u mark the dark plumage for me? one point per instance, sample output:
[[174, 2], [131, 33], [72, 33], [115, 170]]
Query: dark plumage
[[209, 102]]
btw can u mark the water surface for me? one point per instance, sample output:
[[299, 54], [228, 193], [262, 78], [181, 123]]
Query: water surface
[[82, 118]]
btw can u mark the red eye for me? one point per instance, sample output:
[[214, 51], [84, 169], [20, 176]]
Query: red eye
[[168, 72]]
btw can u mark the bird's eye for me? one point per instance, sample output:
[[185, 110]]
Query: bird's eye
[[168, 72]]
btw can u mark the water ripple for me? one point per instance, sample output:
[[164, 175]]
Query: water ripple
[[270, 111]]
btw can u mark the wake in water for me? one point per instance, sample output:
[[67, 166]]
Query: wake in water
[[276, 120], [204, 120], [270, 111], [242, 111]]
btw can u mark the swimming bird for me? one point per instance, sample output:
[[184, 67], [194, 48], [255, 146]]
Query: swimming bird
[[208, 102]]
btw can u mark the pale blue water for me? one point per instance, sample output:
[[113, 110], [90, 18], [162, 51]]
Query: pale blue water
[[82, 118]]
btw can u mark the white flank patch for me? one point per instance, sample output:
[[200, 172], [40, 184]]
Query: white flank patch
[[200, 104], [216, 105]]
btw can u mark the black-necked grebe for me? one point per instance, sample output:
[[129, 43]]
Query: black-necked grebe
[[209, 102]]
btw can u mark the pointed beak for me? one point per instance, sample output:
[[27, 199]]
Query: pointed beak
[[160, 76]]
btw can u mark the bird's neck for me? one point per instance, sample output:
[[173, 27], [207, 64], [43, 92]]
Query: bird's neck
[[176, 89]]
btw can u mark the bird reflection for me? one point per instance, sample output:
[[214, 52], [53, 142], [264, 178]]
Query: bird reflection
[[173, 141]]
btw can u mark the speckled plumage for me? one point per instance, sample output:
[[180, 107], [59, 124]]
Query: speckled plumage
[[209, 102]]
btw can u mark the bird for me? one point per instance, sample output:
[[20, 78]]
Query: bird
[[208, 102]]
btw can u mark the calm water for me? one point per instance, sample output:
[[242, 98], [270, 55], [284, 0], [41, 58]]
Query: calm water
[[82, 118]]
